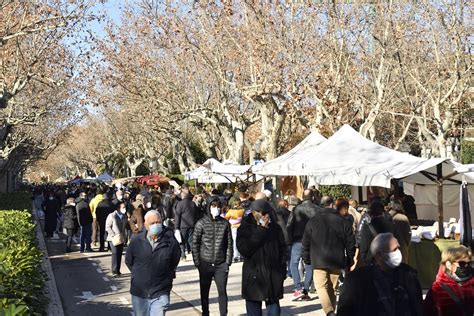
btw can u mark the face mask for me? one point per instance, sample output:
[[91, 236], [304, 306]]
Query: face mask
[[261, 221], [464, 273], [393, 259], [72, 204], [148, 205], [156, 229], [215, 211], [123, 210], [120, 198], [51, 198]]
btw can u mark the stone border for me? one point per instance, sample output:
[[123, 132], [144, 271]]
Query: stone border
[[55, 306]]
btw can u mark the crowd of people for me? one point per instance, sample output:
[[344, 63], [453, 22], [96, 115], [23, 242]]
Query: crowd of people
[[327, 246]]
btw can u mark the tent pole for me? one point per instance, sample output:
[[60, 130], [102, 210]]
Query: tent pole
[[439, 175]]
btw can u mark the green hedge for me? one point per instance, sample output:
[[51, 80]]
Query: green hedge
[[15, 201], [336, 191], [467, 152], [21, 277]]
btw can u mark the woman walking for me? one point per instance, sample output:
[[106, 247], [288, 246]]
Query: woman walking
[[115, 227]]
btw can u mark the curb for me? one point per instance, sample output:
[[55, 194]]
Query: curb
[[55, 306]]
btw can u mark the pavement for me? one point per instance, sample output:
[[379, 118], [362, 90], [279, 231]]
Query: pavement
[[86, 286]]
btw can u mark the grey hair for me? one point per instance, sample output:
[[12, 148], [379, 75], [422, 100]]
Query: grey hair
[[152, 212], [397, 206], [381, 243]]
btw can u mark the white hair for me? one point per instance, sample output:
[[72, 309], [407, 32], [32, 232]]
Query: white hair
[[152, 212], [381, 243]]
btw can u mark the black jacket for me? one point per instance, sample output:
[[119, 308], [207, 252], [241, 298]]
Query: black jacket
[[381, 225], [152, 270], [282, 215], [359, 295], [84, 215], [185, 214], [70, 217], [264, 251], [328, 241], [301, 214], [103, 209], [212, 241]]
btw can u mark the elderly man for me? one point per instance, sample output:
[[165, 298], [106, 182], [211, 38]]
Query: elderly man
[[152, 257], [388, 287]]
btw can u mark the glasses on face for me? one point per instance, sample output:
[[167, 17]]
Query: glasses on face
[[463, 264]]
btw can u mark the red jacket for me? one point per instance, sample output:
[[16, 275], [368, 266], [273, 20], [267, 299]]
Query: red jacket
[[439, 303]]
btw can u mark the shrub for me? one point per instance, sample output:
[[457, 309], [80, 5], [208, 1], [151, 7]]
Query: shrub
[[21, 276], [15, 201], [336, 191], [467, 156]]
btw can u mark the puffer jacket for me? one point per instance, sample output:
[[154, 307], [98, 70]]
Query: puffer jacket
[[70, 217], [212, 241]]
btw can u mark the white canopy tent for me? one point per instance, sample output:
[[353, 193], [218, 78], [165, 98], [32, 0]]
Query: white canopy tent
[[213, 171], [283, 165], [226, 167]]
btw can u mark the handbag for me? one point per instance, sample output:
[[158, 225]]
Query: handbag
[[118, 239]]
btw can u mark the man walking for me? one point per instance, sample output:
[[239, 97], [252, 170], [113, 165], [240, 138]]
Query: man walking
[[152, 258], [212, 254], [329, 246], [84, 217], [185, 217], [104, 208], [93, 205], [301, 214]]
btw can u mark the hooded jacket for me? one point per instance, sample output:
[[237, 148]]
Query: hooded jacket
[[94, 202], [264, 251], [212, 240], [439, 303]]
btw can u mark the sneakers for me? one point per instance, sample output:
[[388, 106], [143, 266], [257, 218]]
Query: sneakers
[[298, 294]]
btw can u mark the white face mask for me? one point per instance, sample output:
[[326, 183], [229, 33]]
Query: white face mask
[[51, 198], [148, 205], [72, 204], [215, 211], [123, 210], [393, 259]]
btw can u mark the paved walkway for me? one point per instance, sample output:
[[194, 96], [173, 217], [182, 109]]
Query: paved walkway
[[87, 288]]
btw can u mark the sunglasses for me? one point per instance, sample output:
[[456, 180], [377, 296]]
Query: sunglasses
[[463, 264]]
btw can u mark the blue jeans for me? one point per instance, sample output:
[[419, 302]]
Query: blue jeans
[[86, 234], [254, 308], [296, 252], [150, 306]]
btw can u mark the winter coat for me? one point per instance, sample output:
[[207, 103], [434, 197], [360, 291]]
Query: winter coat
[[381, 225], [70, 217], [212, 241], [84, 215], [52, 210], [439, 303], [402, 232], [283, 215], [104, 208], [152, 270], [359, 296], [185, 213], [114, 225], [136, 220], [264, 251], [328, 241], [301, 214], [168, 206]]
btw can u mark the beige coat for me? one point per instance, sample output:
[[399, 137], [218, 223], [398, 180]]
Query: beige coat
[[114, 225]]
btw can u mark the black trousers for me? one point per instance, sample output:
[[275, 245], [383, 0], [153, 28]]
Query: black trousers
[[187, 240], [116, 257], [102, 233], [220, 273]]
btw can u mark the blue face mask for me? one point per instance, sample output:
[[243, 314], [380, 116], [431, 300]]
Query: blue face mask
[[156, 229]]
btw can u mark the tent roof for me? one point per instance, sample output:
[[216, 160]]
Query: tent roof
[[282, 165], [226, 167], [349, 158]]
